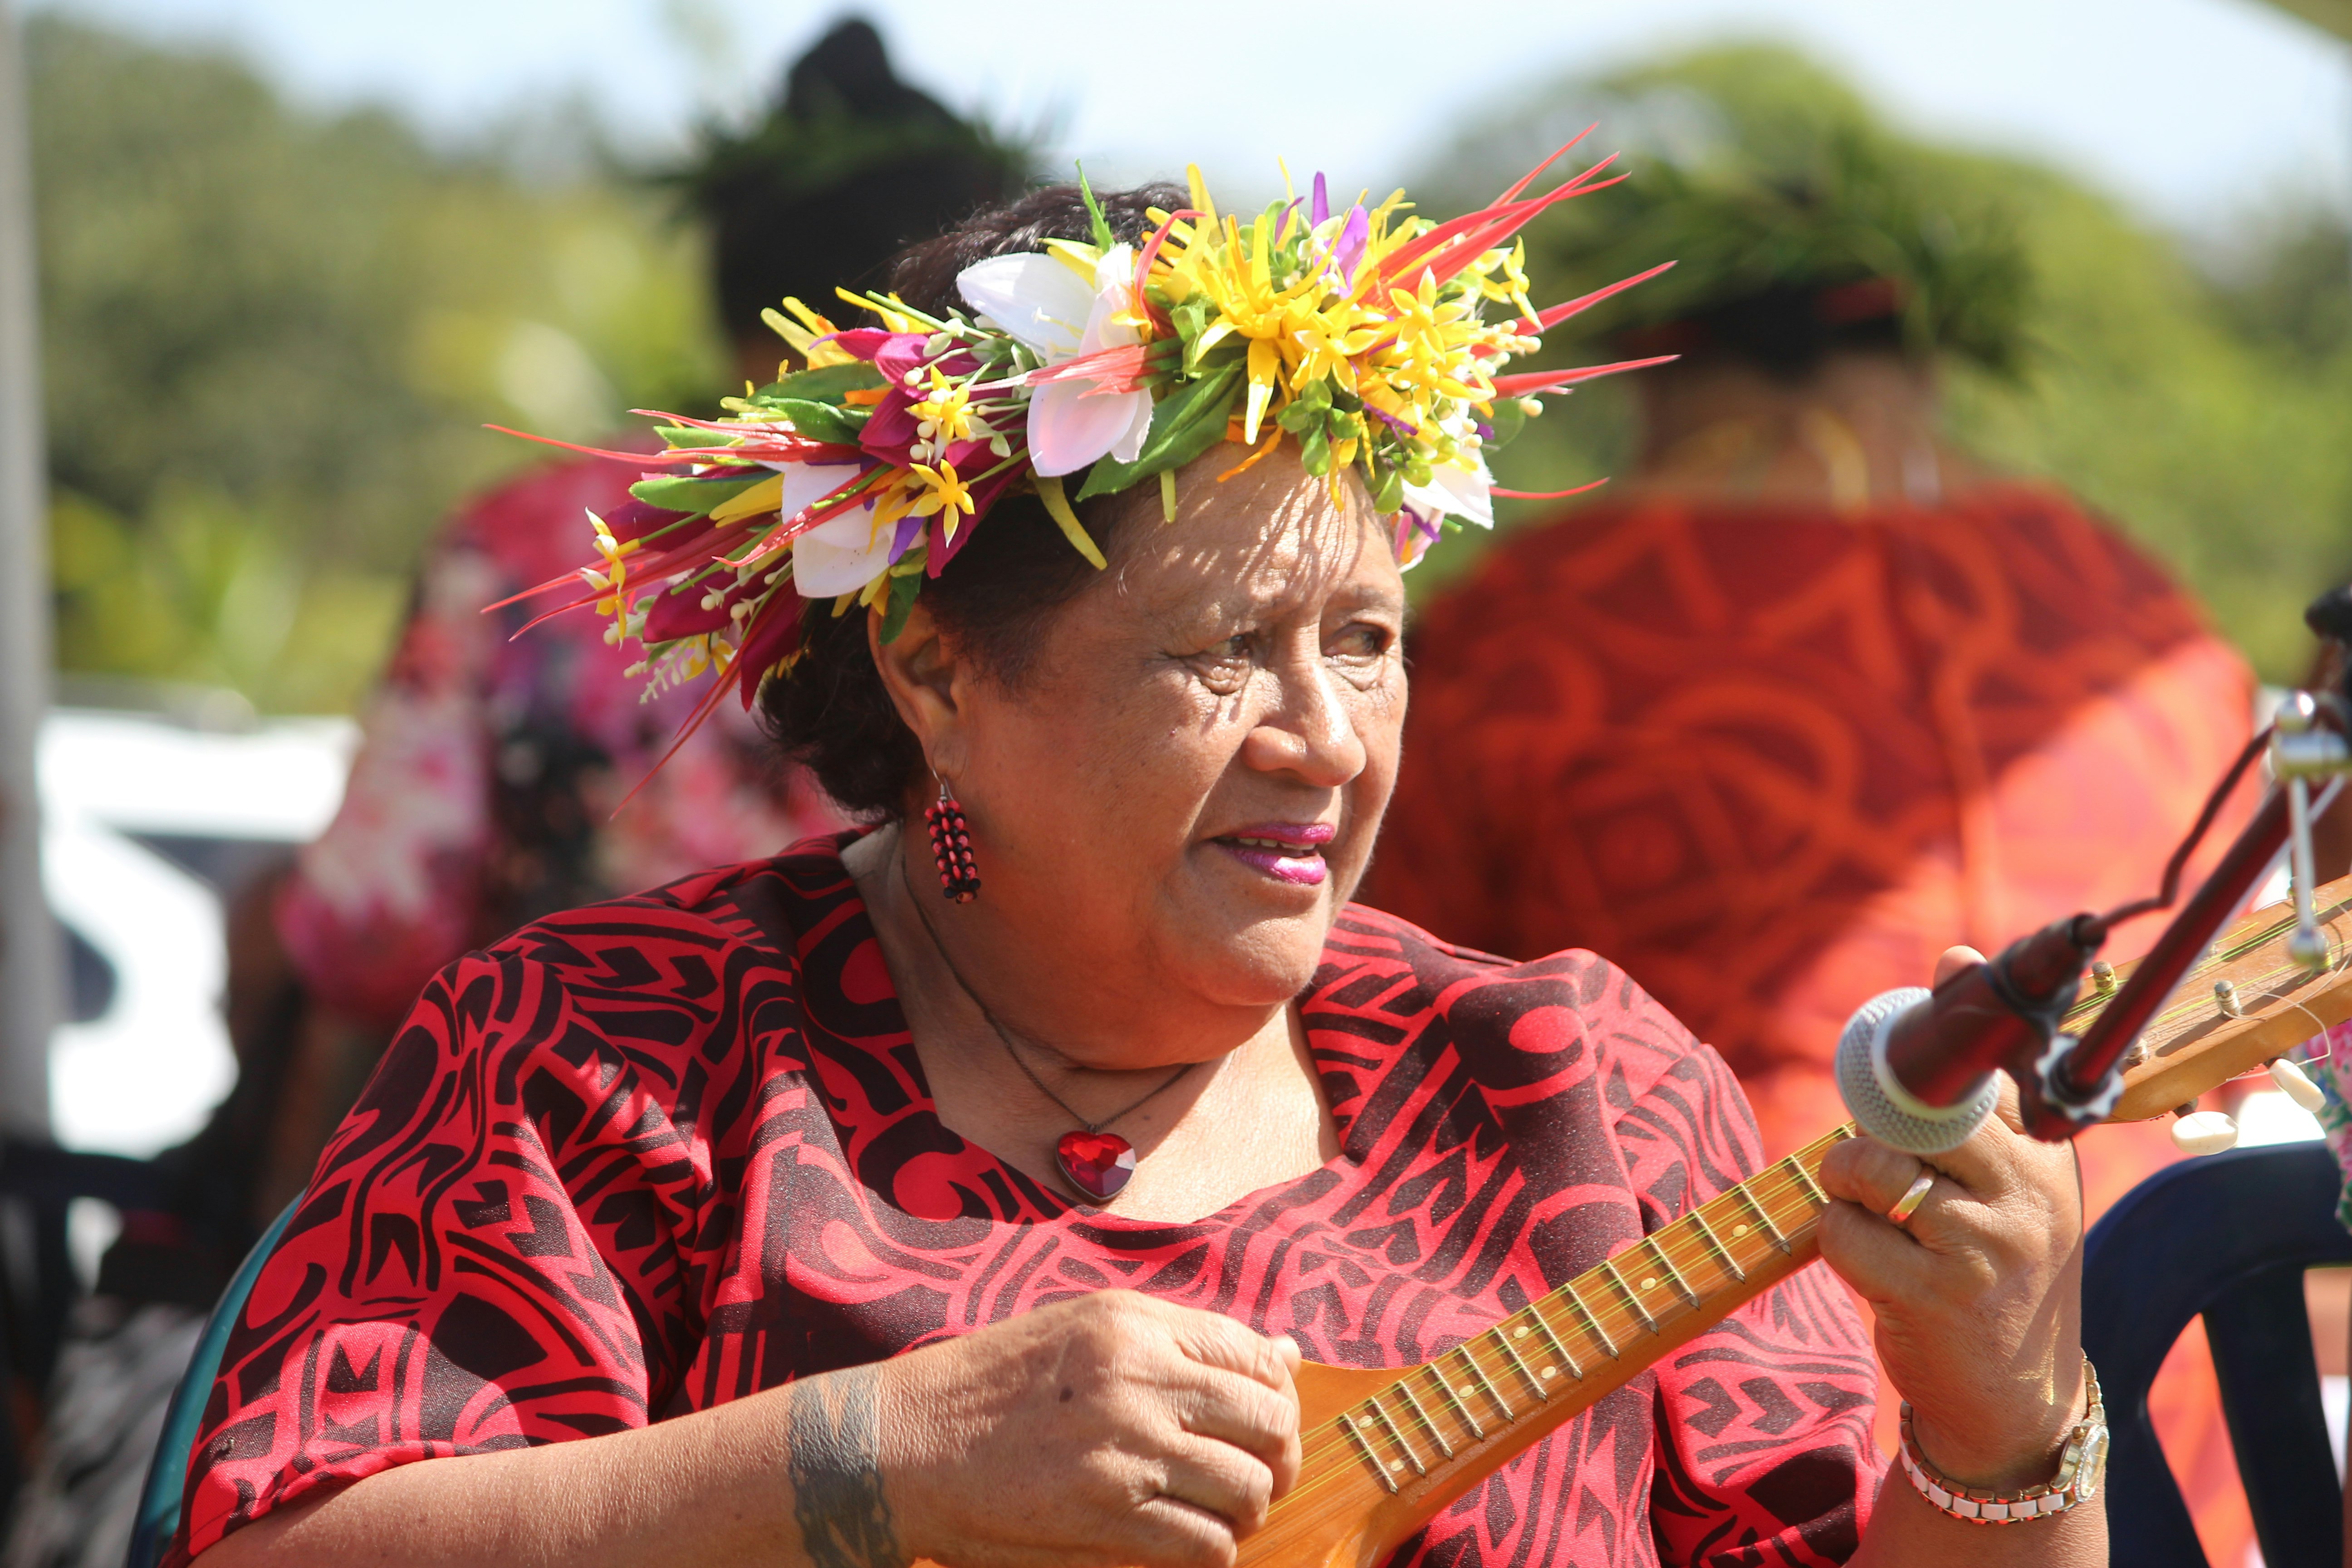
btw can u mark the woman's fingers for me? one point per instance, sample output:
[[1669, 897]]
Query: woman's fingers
[[1243, 1395], [1106, 1428], [1875, 1255], [1867, 1173], [1219, 1341], [1954, 960], [1252, 1419], [1168, 1532], [1219, 1478]]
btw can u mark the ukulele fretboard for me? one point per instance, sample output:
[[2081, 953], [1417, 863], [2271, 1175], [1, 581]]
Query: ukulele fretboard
[[1699, 1264]]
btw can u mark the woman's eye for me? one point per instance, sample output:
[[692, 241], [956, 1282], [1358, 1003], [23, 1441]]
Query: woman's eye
[[1360, 641], [1224, 666]]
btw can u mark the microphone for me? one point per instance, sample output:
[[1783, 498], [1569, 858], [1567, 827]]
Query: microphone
[[1917, 1068]]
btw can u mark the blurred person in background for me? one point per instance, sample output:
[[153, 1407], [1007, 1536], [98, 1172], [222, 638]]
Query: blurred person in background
[[484, 791], [1808, 696]]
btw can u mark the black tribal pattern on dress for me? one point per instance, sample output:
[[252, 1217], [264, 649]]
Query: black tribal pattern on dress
[[669, 1151]]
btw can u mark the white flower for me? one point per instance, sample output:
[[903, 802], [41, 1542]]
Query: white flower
[[1040, 299], [1045, 304], [843, 553], [1459, 489]]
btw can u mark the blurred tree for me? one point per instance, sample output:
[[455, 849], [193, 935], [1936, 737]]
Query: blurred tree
[[270, 340], [2210, 415]]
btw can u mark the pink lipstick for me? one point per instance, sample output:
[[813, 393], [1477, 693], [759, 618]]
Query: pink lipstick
[[1287, 851]]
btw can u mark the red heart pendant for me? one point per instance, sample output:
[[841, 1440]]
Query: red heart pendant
[[1096, 1163]]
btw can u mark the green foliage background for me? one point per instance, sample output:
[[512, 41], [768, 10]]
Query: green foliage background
[[271, 339], [2206, 407]]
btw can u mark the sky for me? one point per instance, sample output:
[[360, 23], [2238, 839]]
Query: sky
[[2193, 112]]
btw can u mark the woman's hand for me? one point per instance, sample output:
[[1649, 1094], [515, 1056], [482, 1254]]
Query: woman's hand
[[1110, 1430], [1978, 1295]]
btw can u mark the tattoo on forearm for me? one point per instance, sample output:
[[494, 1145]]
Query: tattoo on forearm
[[836, 1472]]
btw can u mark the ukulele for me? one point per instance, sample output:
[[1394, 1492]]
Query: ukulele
[[1385, 1450]]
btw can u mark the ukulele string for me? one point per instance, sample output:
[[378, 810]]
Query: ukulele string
[[2197, 1009], [1328, 1441], [1770, 1188]]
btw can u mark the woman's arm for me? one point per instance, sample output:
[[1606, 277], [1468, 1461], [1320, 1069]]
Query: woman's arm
[[1111, 1429]]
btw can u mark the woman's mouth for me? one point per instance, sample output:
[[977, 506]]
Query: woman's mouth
[[1288, 852]]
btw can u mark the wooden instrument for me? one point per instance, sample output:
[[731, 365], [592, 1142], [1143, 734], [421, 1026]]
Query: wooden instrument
[[1386, 1449]]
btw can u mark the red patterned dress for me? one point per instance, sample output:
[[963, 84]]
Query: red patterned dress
[[1773, 759], [663, 1151]]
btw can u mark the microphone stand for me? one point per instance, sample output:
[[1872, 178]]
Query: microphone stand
[[1930, 1062]]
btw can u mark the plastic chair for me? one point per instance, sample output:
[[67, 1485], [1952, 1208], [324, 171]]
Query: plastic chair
[[2229, 1236], [38, 1184], [167, 1472]]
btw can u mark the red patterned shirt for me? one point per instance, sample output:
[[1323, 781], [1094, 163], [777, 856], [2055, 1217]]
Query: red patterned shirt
[[663, 1151]]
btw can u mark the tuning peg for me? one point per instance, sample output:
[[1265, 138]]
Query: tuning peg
[[2297, 1084], [2204, 1132]]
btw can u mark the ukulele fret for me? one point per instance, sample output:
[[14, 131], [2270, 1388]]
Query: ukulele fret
[[1512, 1353], [1658, 1251], [1608, 1266], [1437, 1433], [1731, 1263], [1558, 1349], [1805, 1180], [1445, 1388], [1371, 1458], [1591, 1323], [1763, 1217], [1396, 1435], [1478, 1381]]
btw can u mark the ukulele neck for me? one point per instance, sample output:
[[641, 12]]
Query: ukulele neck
[[1444, 1425]]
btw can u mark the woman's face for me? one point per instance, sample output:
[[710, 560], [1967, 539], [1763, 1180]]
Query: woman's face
[[1186, 784]]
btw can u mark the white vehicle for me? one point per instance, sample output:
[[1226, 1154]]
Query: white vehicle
[[149, 821]]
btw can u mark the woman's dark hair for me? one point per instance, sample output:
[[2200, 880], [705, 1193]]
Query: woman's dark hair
[[832, 713]]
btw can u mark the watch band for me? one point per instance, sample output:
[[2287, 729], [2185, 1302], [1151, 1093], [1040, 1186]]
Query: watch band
[[2082, 1470]]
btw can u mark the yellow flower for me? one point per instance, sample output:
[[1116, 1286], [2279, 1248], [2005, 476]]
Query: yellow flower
[[762, 497], [947, 494], [615, 554], [945, 416], [804, 337]]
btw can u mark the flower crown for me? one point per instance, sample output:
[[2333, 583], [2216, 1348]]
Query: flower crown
[[1358, 333]]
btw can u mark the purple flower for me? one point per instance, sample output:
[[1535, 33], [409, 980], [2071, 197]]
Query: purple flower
[[910, 529], [1354, 235]]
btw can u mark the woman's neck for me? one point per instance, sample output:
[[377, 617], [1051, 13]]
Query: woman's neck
[[1860, 431], [1058, 993], [1247, 1115]]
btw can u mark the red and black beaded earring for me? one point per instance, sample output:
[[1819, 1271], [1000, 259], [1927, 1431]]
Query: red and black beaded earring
[[951, 842]]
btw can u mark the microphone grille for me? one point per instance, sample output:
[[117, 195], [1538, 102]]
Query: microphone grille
[[1880, 1106]]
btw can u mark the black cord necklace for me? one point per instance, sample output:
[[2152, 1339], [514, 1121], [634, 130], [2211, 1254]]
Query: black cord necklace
[[1094, 1162]]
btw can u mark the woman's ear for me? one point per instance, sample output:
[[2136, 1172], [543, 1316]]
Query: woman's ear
[[929, 682]]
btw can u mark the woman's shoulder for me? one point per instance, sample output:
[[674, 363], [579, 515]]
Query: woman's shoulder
[[778, 905], [756, 944], [1394, 976]]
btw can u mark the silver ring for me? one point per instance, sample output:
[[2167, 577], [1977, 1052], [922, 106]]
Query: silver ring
[[1913, 1196]]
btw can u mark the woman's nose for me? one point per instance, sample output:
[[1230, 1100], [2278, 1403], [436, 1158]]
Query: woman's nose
[[1311, 734]]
